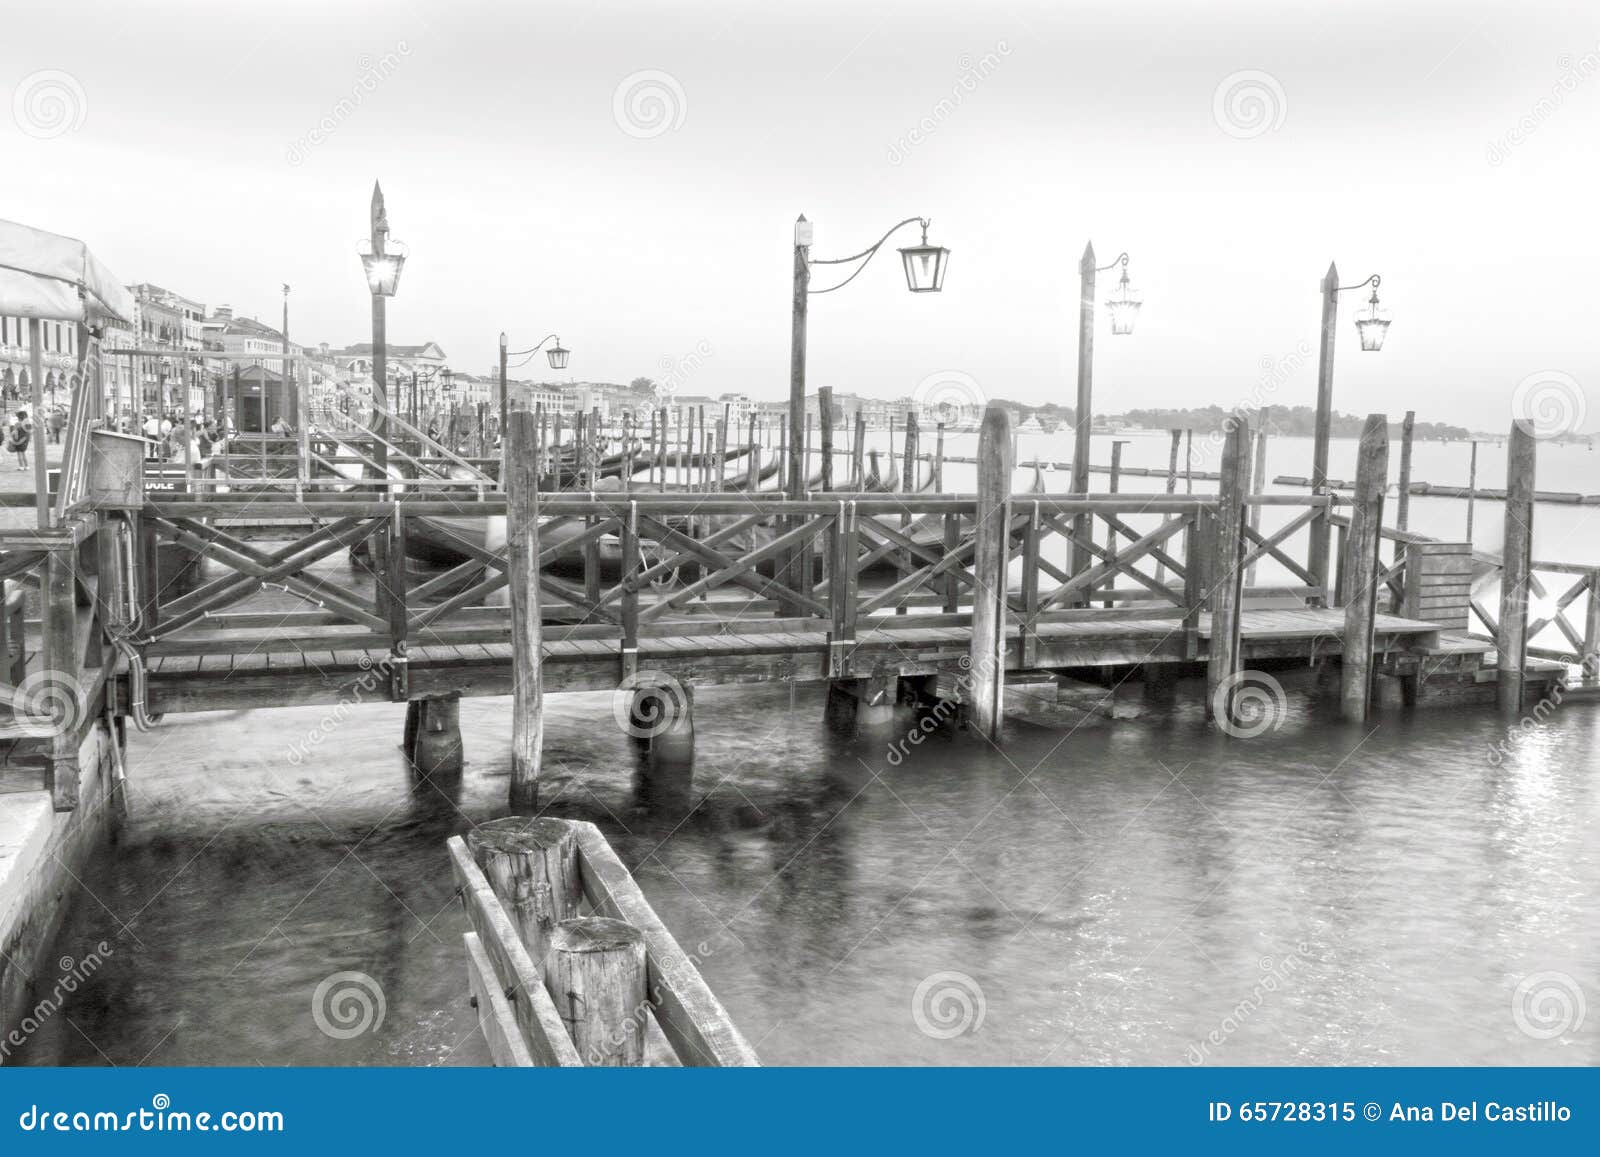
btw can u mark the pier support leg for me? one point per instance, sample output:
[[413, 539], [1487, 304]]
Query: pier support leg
[[433, 735], [857, 703], [986, 670], [1361, 567], [595, 972], [661, 717], [1512, 642]]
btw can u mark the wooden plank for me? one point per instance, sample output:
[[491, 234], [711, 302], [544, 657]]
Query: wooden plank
[[522, 981], [495, 1019], [691, 1017]]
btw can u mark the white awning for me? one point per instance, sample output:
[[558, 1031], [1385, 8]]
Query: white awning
[[56, 278]]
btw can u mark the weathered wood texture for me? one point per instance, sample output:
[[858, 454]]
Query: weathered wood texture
[[521, 473], [1515, 577], [595, 973], [986, 653], [1362, 568]]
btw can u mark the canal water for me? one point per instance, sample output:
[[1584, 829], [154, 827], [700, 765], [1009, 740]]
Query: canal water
[[1138, 891], [1422, 890]]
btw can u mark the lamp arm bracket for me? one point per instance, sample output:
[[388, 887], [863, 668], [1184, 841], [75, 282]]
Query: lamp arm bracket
[[867, 254], [1122, 261], [1373, 281], [533, 349]]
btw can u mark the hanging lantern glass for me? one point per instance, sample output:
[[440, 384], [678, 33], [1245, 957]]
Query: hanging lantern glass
[[558, 356], [1372, 324], [925, 265], [383, 268], [1124, 303]]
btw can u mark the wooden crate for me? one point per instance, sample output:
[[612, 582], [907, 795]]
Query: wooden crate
[[1439, 583]]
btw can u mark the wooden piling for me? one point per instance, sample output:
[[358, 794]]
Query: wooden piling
[[825, 422], [1472, 487], [1512, 639], [1227, 555], [1361, 568], [909, 481], [858, 452], [520, 471], [938, 459], [986, 654], [1258, 482], [1402, 513], [595, 973], [532, 865]]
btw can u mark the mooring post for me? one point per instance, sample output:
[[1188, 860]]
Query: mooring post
[[1258, 482], [1227, 557], [1472, 486], [1402, 513], [532, 865], [910, 480], [1361, 568], [59, 607], [938, 458], [825, 430], [858, 452], [991, 531], [522, 555], [1512, 643], [435, 735], [595, 972], [661, 717]]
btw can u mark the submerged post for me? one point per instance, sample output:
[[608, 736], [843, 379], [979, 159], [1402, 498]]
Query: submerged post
[[1362, 568], [1226, 555], [520, 470], [986, 655], [1512, 643]]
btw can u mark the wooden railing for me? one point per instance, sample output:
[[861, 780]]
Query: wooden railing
[[567, 962], [626, 565]]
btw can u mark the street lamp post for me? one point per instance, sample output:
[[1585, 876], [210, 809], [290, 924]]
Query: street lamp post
[[1124, 309], [924, 268], [382, 260], [1373, 326]]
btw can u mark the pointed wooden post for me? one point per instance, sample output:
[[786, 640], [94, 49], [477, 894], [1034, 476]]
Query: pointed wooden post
[[1361, 568], [520, 470], [1258, 483], [1512, 641], [1083, 417], [1317, 557], [1227, 553], [987, 649], [1402, 514]]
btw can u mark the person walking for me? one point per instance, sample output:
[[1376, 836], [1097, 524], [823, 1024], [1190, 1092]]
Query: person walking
[[18, 434], [58, 422]]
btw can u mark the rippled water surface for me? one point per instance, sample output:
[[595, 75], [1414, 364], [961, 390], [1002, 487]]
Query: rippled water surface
[[1143, 891]]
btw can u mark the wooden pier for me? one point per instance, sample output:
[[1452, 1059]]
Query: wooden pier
[[650, 593]]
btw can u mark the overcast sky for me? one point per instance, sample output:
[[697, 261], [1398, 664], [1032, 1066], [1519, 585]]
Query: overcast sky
[[1233, 150]]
